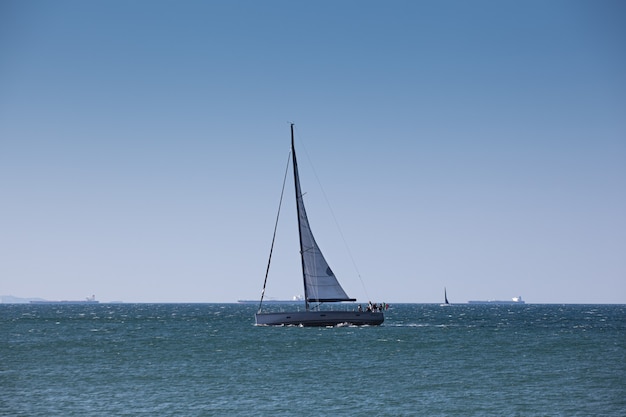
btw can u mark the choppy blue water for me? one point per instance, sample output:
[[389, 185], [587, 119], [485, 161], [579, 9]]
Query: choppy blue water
[[209, 359]]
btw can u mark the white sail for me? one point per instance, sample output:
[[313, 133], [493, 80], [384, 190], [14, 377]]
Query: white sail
[[320, 283]]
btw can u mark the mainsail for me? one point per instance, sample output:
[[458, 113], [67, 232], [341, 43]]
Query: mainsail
[[320, 283]]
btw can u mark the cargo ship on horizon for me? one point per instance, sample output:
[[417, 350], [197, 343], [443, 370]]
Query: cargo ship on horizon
[[88, 300], [294, 299], [514, 300]]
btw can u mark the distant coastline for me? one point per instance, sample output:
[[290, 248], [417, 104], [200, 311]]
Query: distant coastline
[[9, 299]]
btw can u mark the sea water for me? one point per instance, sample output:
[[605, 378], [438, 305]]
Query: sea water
[[210, 360]]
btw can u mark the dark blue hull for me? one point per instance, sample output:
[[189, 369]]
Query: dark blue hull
[[319, 318]]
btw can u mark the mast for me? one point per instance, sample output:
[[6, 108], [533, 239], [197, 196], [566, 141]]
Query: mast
[[296, 182]]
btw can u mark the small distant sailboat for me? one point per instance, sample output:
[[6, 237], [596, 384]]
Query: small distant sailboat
[[320, 283], [445, 298]]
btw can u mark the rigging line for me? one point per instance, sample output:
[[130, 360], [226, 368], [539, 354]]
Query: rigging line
[[345, 243], [282, 193]]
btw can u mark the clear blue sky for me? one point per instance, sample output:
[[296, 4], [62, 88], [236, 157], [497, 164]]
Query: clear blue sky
[[475, 145]]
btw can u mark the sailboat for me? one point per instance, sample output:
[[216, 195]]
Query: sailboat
[[445, 298], [320, 283]]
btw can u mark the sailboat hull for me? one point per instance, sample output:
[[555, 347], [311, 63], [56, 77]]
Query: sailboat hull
[[319, 318]]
